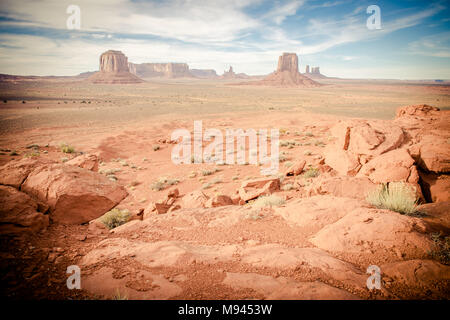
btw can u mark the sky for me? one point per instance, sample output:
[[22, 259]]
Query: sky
[[413, 41]]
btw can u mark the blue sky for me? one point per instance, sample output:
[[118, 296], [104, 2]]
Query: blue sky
[[413, 42]]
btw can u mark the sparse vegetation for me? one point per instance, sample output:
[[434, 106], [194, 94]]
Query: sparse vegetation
[[268, 201], [207, 172], [119, 296], [442, 251], [206, 185], [395, 196], [287, 187], [114, 218], [311, 173], [288, 143], [156, 147], [66, 148], [163, 183]]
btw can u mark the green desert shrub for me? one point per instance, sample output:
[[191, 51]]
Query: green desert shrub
[[395, 196], [66, 148], [114, 218]]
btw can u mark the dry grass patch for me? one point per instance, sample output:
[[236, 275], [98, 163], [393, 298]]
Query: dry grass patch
[[395, 196], [114, 218]]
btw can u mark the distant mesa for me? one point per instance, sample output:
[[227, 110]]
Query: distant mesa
[[230, 74], [114, 69], [204, 73], [162, 70], [286, 75], [314, 73]]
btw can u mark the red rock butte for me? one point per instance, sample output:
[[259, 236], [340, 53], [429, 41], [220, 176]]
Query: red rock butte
[[287, 74], [114, 69]]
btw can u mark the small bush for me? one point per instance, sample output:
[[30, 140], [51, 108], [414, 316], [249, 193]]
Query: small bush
[[206, 185], [66, 148], [442, 251], [311, 173], [162, 183], [158, 185], [119, 296], [156, 147], [114, 218], [207, 172], [268, 201], [287, 187], [395, 196], [287, 143]]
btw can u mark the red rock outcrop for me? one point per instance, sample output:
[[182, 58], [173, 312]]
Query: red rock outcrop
[[19, 212], [114, 69], [357, 142], [420, 110], [74, 195]]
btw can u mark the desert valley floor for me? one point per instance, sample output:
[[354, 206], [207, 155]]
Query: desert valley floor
[[193, 234]]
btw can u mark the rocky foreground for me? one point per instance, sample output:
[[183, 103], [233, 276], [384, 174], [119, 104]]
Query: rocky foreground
[[315, 239]]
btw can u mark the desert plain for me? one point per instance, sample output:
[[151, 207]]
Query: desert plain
[[72, 151]]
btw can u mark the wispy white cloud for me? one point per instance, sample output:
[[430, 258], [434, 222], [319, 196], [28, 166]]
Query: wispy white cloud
[[281, 11], [432, 46], [206, 34]]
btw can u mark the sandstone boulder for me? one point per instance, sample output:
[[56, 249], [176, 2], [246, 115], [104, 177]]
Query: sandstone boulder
[[375, 232], [314, 213], [437, 216], [86, 161], [218, 201], [252, 189], [434, 153], [395, 165], [194, 199], [435, 188], [74, 195], [295, 169], [342, 186], [19, 213]]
